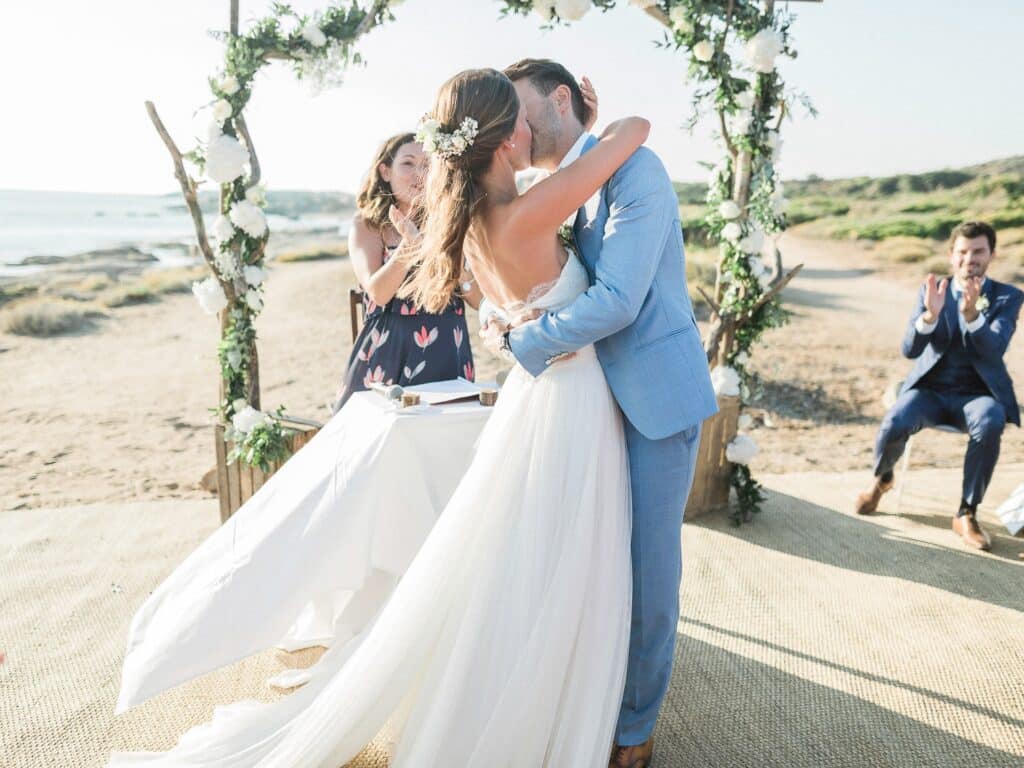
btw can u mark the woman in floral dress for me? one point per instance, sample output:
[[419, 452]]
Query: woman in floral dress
[[400, 343]]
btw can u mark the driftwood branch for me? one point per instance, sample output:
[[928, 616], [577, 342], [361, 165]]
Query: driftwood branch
[[188, 191], [715, 307], [772, 292], [254, 163]]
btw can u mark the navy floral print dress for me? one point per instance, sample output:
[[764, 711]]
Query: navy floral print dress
[[401, 344]]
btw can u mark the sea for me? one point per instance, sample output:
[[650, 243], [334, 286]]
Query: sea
[[38, 226]]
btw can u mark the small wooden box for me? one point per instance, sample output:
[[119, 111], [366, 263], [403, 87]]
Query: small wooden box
[[237, 482], [711, 487]]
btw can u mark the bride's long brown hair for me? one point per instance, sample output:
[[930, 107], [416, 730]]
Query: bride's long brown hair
[[453, 195]]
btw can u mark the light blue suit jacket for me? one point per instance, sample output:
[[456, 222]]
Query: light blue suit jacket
[[637, 311]]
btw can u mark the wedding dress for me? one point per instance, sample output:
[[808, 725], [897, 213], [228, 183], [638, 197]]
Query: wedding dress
[[505, 642]]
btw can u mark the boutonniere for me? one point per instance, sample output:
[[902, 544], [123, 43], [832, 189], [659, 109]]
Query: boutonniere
[[982, 303]]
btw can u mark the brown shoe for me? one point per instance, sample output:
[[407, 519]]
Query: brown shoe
[[638, 756], [867, 503], [972, 533]]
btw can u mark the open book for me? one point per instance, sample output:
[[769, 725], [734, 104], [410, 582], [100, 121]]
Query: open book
[[453, 391]]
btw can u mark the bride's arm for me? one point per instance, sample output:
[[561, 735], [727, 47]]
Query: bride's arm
[[549, 203]]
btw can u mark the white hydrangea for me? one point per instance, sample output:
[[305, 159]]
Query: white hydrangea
[[729, 210], [227, 264], [732, 232], [228, 85], [248, 218], [762, 50], [704, 51], [572, 10], [741, 450], [239, 404], [225, 159], [248, 419], [252, 298], [210, 295], [725, 381], [254, 275], [753, 241], [680, 22], [313, 35], [222, 229], [222, 110], [544, 8]]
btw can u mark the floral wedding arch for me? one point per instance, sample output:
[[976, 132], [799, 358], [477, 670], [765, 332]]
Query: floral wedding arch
[[731, 48]]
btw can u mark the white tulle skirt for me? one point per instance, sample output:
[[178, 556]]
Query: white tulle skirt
[[505, 642]]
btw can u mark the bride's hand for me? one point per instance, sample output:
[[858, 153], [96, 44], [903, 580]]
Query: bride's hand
[[590, 102], [403, 224]]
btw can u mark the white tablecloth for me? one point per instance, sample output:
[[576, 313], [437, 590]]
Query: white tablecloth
[[314, 554]]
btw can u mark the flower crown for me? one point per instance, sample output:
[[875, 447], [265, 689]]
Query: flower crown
[[437, 142]]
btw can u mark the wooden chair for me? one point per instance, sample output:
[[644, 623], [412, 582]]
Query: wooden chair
[[357, 315]]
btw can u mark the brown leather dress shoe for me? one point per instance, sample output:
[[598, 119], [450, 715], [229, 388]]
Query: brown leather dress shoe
[[972, 533], [638, 756], [867, 503]]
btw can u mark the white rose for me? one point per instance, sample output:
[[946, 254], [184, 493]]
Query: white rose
[[248, 218], [741, 450], [313, 35], [572, 10], [210, 295], [430, 127], [246, 419], [222, 229], [222, 110], [732, 231], [225, 159], [544, 8], [256, 194], [252, 298], [704, 51], [762, 50], [729, 210], [228, 85], [725, 381], [235, 359], [239, 404], [254, 275], [745, 99], [680, 23], [756, 264], [746, 421]]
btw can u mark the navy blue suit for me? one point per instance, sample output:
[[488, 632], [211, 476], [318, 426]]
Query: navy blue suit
[[959, 379]]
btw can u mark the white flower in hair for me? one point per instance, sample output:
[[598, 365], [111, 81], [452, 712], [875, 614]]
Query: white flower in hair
[[437, 142], [572, 10]]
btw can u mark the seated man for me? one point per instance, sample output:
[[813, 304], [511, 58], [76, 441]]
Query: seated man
[[957, 336]]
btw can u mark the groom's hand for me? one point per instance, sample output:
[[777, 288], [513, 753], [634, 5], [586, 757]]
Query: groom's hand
[[934, 298], [492, 332]]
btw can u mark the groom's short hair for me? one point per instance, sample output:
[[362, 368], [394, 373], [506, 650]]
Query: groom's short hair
[[545, 75], [971, 230]]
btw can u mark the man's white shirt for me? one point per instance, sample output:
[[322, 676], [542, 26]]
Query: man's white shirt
[[926, 328]]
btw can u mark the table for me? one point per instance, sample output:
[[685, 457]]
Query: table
[[312, 556]]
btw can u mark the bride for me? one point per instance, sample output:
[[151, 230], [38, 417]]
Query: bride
[[505, 642]]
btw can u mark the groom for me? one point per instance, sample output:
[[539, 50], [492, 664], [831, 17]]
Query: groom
[[637, 314]]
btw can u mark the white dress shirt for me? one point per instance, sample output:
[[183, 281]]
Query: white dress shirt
[[926, 328]]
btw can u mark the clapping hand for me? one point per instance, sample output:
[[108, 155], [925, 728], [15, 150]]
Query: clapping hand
[[590, 102], [969, 299], [403, 224], [934, 298]]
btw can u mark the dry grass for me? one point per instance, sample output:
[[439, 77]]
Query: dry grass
[[907, 250], [48, 317]]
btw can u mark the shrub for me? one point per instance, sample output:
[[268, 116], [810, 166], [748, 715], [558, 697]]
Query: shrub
[[48, 317]]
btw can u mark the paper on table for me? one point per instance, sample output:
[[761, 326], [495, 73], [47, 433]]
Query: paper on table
[[452, 391]]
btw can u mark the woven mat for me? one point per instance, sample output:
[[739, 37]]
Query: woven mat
[[810, 638]]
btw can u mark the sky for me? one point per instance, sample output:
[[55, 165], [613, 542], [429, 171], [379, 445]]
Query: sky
[[900, 86]]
